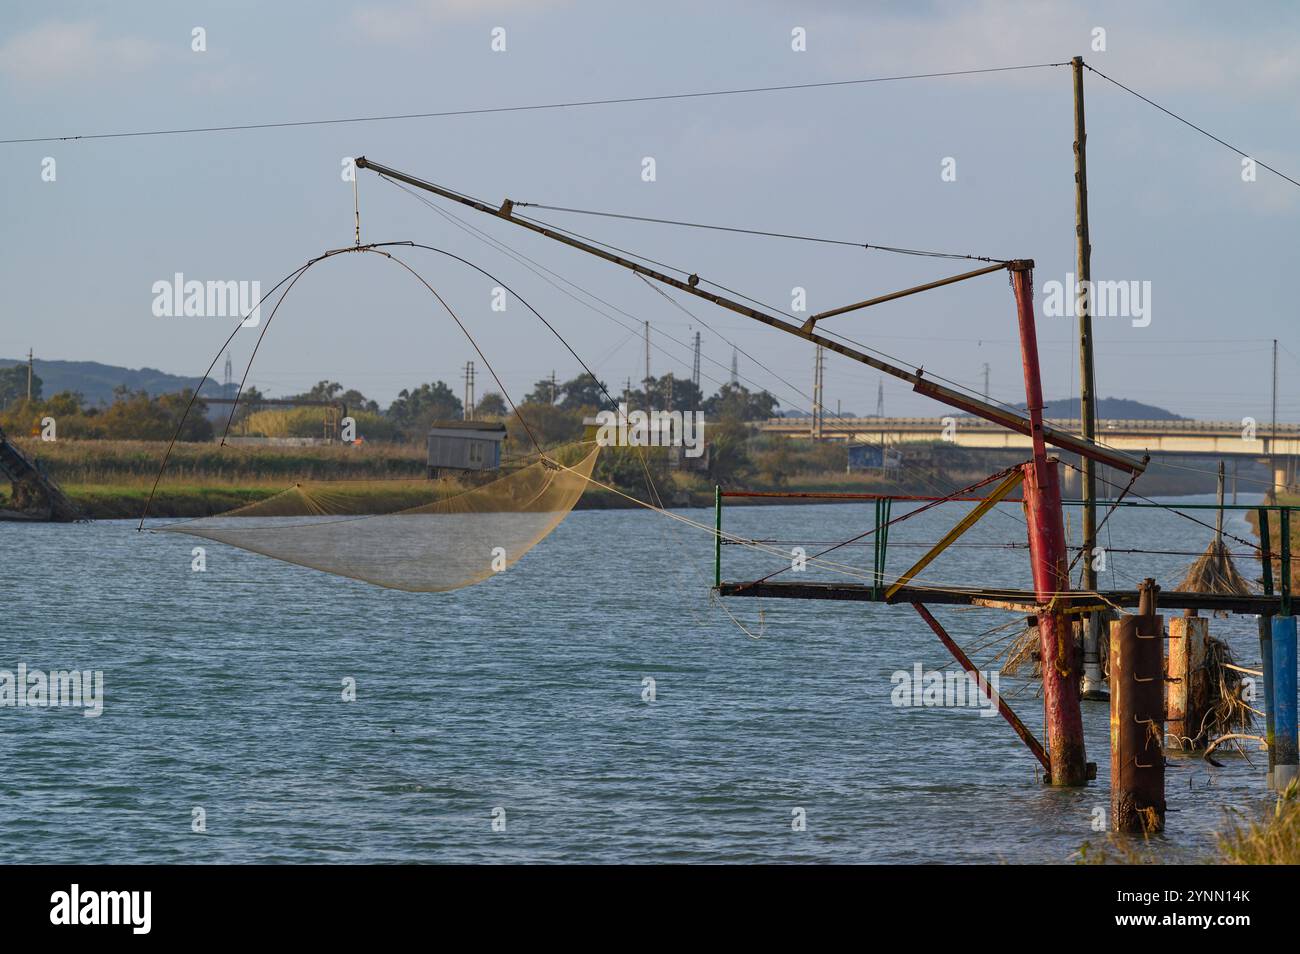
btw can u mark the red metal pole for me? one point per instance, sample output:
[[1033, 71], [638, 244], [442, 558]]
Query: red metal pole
[[1042, 501]]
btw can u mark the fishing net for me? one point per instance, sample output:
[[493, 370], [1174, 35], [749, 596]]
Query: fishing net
[[404, 534]]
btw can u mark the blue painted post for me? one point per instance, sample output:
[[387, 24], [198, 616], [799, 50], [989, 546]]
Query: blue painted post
[[1266, 640], [1266, 654], [1285, 767]]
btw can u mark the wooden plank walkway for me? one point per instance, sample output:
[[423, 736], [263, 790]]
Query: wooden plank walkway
[[1018, 600]]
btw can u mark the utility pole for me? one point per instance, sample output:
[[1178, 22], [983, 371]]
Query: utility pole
[[986, 380], [1092, 680], [29, 374], [469, 391], [1273, 434], [735, 368], [554, 387], [647, 365], [695, 370], [818, 365]]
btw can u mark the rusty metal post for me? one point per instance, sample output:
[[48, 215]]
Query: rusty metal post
[[1042, 501], [1188, 699], [1137, 760]]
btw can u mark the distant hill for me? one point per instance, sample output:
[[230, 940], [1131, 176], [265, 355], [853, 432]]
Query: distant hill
[[96, 381], [1113, 409]]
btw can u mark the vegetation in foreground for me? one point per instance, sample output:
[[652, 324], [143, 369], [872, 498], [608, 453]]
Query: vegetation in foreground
[[1267, 839]]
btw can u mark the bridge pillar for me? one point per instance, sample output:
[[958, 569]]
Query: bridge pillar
[[1279, 478], [1071, 483]]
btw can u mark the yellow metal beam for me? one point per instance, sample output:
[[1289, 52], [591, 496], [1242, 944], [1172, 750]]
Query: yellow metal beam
[[966, 522]]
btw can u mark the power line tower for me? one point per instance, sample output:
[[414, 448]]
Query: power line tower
[[29, 371], [469, 391], [228, 379], [880, 398], [695, 369], [555, 388], [986, 380], [735, 368]]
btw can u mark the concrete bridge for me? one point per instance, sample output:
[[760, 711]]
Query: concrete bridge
[[1169, 438]]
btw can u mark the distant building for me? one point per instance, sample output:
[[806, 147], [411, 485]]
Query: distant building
[[874, 457], [465, 445]]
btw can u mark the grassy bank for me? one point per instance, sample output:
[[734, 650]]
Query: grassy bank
[[94, 462], [112, 478], [124, 498]]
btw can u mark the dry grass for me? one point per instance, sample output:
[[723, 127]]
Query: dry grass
[[1230, 711], [119, 462], [1268, 841], [1022, 654], [1214, 572]]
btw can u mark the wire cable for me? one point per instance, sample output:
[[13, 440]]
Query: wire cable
[[761, 232], [485, 110], [1188, 122]]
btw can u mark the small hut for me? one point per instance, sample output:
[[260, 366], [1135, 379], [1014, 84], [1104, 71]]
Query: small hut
[[465, 445]]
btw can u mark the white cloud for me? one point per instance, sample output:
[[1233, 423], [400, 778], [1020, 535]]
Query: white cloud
[[64, 51]]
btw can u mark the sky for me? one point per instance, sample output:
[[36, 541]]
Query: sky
[[83, 248]]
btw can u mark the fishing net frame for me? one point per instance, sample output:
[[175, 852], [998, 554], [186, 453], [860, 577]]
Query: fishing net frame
[[431, 545]]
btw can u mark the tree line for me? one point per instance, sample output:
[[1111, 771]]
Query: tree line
[[555, 407]]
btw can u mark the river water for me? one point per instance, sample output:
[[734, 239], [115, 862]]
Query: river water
[[522, 704]]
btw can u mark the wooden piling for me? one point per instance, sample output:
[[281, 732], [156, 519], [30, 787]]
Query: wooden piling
[[1189, 695], [1137, 761]]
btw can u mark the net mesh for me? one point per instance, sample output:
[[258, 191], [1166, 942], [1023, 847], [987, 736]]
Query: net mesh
[[393, 534]]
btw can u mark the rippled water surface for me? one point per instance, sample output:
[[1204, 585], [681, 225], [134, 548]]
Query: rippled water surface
[[223, 691]]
